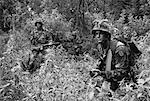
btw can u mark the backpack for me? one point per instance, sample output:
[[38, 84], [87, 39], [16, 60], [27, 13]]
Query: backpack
[[134, 52]]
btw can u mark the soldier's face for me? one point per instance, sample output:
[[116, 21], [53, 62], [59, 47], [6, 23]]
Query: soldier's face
[[99, 36], [34, 53], [38, 25]]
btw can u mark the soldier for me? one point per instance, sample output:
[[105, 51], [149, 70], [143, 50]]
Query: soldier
[[112, 53], [40, 36], [39, 26], [33, 62], [36, 60]]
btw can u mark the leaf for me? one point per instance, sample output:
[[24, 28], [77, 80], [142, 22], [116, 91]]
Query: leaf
[[141, 81], [143, 73], [139, 95], [132, 98], [3, 86], [91, 95], [115, 99], [101, 94], [18, 67], [106, 85], [147, 79]]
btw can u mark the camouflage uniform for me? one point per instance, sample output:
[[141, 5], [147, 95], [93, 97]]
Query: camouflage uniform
[[33, 62], [40, 36], [119, 63]]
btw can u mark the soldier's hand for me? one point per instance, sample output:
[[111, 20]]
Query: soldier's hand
[[94, 73], [109, 74]]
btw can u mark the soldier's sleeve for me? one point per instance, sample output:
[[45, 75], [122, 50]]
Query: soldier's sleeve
[[121, 57]]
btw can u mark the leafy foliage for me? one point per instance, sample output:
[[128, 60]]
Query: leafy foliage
[[64, 75]]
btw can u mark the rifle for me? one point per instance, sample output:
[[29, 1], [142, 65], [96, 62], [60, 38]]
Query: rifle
[[50, 44], [45, 46]]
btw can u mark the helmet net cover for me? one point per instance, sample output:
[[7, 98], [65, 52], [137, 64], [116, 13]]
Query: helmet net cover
[[101, 25]]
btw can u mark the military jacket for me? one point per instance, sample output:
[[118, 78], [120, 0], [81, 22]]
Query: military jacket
[[120, 55], [40, 37]]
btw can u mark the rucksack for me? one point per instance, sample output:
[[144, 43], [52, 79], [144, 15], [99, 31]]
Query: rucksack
[[134, 52]]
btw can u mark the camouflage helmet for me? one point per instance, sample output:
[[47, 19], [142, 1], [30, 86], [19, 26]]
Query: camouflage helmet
[[101, 25], [38, 22]]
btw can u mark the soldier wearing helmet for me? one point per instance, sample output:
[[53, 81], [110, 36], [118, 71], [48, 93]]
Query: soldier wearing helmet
[[101, 32], [40, 35], [39, 26], [114, 54]]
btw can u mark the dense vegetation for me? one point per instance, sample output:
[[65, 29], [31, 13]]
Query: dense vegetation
[[64, 75]]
